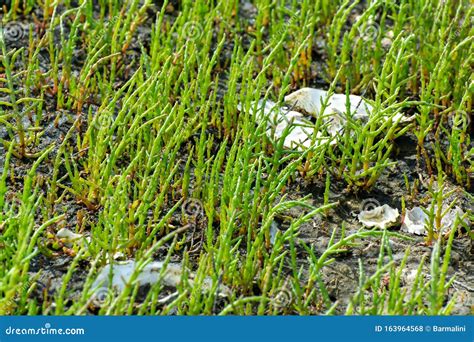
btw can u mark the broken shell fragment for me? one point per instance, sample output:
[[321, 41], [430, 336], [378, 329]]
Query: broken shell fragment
[[67, 236], [281, 122], [382, 216], [119, 275], [311, 101], [415, 221], [297, 129], [273, 232]]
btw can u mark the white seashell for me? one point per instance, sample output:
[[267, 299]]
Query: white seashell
[[273, 232], [150, 274], [448, 220], [382, 217], [67, 236], [310, 100], [301, 133], [415, 221]]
